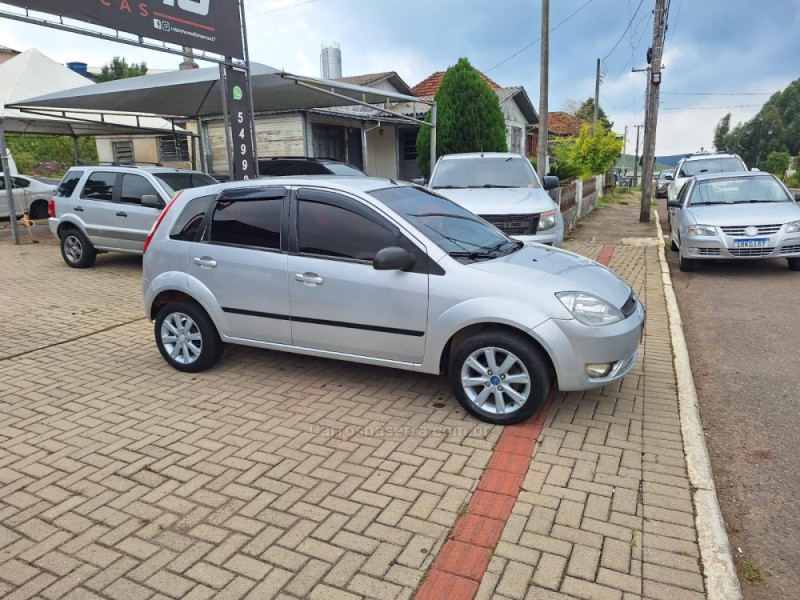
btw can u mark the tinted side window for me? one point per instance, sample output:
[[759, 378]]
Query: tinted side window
[[311, 168], [67, 185], [329, 230], [134, 187], [248, 223], [187, 225], [19, 182], [99, 186], [277, 168]]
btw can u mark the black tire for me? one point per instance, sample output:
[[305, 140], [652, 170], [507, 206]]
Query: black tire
[[672, 245], [39, 210], [794, 264], [527, 364], [185, 318], [76, 250], [685, 264]]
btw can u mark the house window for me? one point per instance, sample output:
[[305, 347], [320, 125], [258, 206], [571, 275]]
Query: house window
[[409, 144], [173, 148], [514, 139], [123, 152]]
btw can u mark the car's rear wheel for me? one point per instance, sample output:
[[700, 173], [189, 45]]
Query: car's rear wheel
[[186, 337], [76, 250], [685, 264], [39, 210], [499, 377], [794, 264]]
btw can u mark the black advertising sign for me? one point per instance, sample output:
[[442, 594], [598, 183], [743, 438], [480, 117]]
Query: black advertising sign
[[237, 94], [212, 25]]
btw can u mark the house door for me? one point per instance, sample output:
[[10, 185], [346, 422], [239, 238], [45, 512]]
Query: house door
[[407, 155], [328, 141]]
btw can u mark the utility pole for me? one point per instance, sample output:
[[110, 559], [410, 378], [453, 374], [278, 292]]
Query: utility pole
[[625, 146], [636, 157], [541, 154], [651, 109], [596, 96]]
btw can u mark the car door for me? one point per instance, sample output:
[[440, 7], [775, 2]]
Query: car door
[[134, 221], [240, 261], [677, 216], [95, 209], [19, 198], [339, 302]]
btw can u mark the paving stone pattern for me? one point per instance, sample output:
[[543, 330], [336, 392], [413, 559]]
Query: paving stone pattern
[[280, 476]]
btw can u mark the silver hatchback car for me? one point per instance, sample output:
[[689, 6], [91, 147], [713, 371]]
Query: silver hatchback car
[[384, 273], [742, 215]]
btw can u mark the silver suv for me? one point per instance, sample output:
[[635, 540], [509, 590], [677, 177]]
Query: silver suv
[[384, 273], [699, 164], [502, 188], [103, 208]]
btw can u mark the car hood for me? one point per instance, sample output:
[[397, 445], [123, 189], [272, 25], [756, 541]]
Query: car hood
[[765, 213], [540, 268], [500, 201]]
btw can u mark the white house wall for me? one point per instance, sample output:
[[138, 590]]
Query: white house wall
[[514, 119], [382, 152], [277, 135]]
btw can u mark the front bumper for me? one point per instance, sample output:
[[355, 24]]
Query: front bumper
[[573, 346], [722, 246]]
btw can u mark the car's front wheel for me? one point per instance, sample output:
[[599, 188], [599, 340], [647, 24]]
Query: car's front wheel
[[76, 250], [499, 376], [685, 264], [794, 264], [186, 337]]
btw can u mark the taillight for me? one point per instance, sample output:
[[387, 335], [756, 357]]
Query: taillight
[[51, 208], [158, 221]]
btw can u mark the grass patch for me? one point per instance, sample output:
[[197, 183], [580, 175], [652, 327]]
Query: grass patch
[[750, 571], [462, 510]]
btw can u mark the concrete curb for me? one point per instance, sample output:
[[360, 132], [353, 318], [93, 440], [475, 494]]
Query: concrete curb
[[722, 582]]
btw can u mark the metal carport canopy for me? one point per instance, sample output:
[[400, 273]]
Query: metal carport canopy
[[196, 93]]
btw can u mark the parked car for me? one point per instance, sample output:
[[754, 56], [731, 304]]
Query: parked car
[[112, 209], [504, 189], [704, 162], [662, 183], [29, 194], [384, 273], [736, 216], [282, 166]]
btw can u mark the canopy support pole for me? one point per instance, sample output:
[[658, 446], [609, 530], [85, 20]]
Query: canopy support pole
[[12, 214], [433, 137], [77, 149]]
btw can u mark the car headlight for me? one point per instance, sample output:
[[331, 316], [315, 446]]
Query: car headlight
[[701, 230], [793, 227], [589, 309], [547, 220]]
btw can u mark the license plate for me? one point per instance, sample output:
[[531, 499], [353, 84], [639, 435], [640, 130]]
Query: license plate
[[750, 243]]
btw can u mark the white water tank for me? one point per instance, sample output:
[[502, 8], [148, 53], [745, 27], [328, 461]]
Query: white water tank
[[330, 61]]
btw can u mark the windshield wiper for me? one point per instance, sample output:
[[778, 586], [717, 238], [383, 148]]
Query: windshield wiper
[[448, 187], [446, 215], [472, 255], [490, 185], [496, 248]]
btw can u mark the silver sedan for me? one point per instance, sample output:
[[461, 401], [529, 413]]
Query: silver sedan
[[743, 215]]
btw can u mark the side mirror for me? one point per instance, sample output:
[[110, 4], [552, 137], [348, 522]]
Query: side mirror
[[674, 203], [797, 197], [152, 201], [754, 169], [550, 182], [393, 258], [669, 177]]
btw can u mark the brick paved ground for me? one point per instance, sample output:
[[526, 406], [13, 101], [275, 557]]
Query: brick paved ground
[[282, 476]]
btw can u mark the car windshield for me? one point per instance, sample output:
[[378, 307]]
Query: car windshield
[[175, 182], [664, 174], [454, 229], [738, 190], [711, 165], [343, 169], [484, 172]]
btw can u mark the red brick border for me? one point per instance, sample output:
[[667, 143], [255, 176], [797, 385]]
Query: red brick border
[[605, 254], [459, 567]]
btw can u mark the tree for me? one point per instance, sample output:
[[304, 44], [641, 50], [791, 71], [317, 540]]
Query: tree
[[119, 68], [48, 154], [777, 163], [468, 118], [721, 132], [592, 154], [586, 112]]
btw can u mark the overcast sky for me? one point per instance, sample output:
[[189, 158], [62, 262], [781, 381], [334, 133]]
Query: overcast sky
[[721, 55]]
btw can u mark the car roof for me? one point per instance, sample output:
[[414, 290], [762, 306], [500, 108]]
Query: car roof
[[709, 155], [133, 169], [464, 155], [733, 175], [335, 182]]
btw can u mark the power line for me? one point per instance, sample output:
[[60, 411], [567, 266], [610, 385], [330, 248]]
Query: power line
[[266, 12], [521, 50], [712, 107], [718, 93], [636, 12], [630, 60], [675, 21]]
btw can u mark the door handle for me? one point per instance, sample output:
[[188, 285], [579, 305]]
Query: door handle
[[205, 262], [311, 279], [78, 209], [122, 214]]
